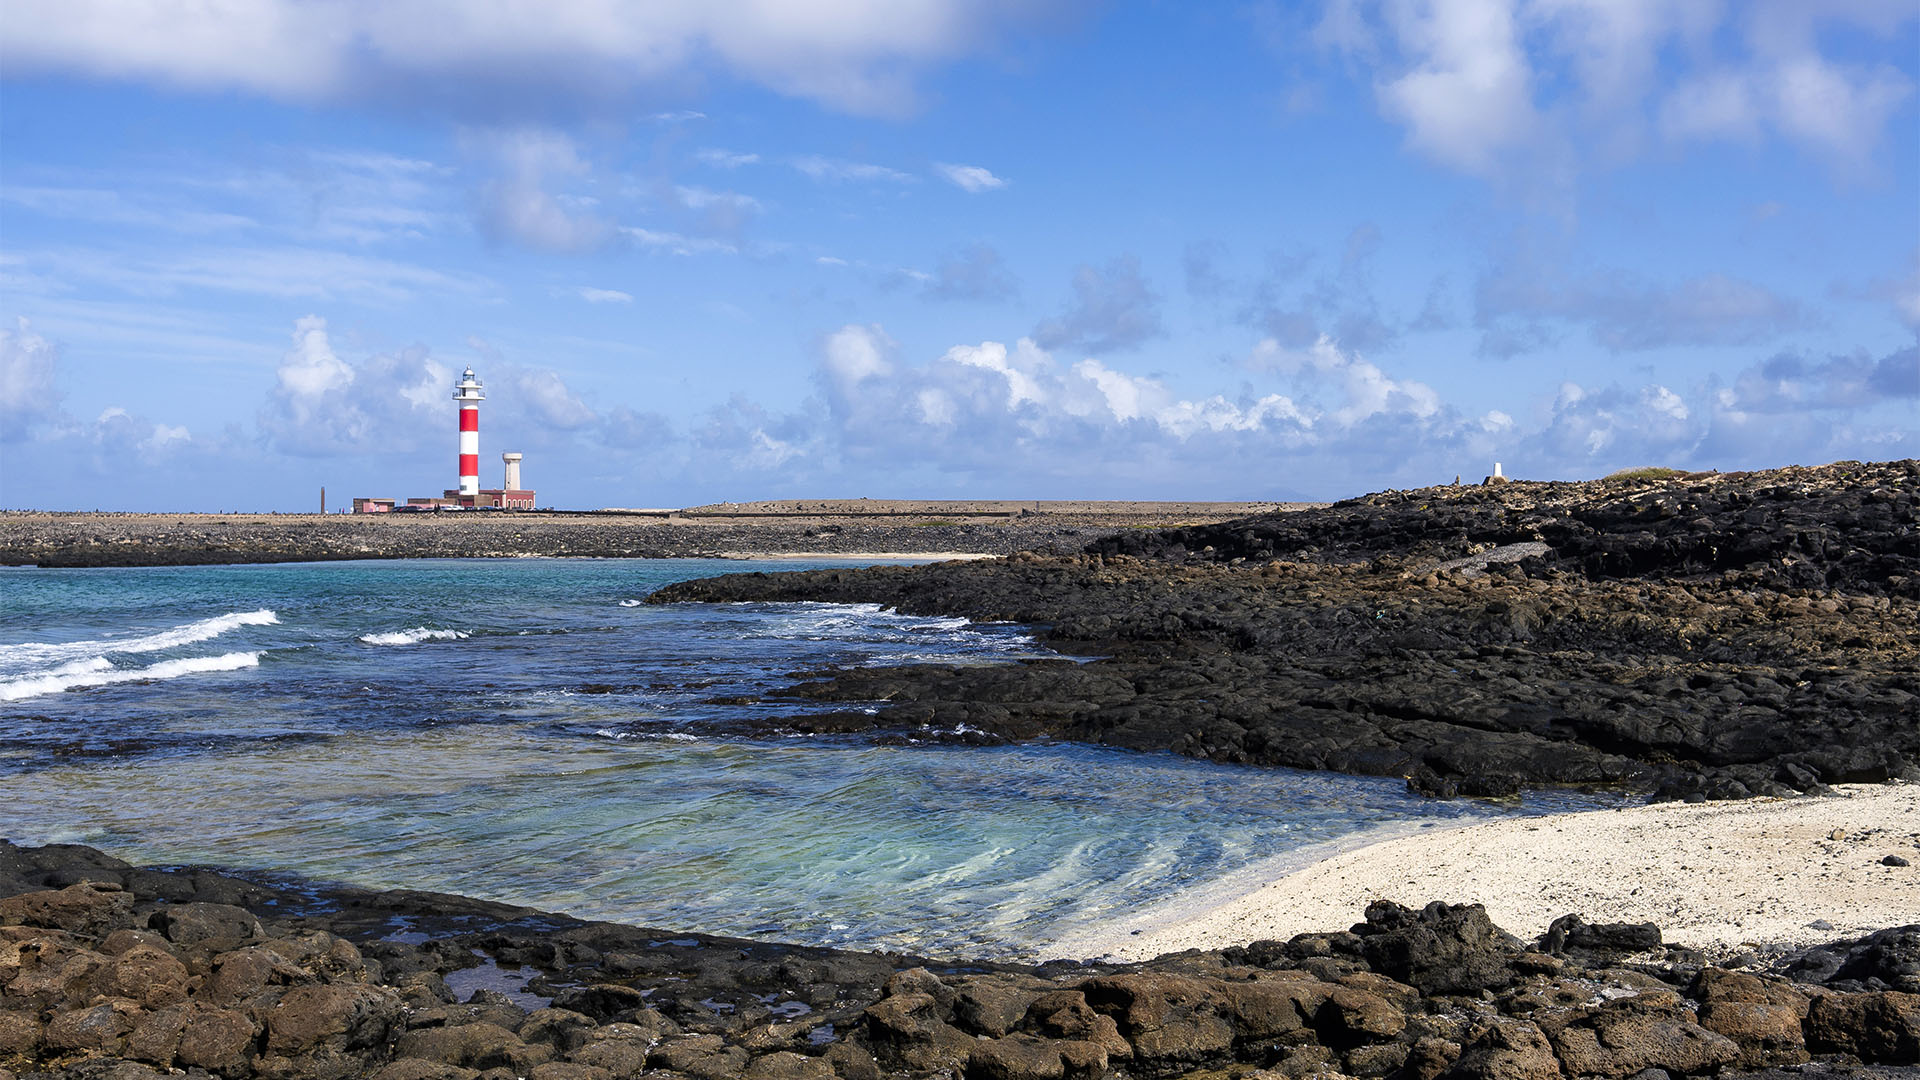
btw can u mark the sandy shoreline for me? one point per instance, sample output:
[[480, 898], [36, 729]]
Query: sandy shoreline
[[1716, 876]]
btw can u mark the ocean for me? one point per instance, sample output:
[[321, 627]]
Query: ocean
[[527, 730]]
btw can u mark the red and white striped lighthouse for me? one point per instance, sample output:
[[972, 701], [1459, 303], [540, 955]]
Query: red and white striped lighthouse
[[469, 394]]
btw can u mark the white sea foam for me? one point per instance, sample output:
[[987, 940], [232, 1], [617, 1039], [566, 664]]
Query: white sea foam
[[413, 637], [631, 603], [24, 658], [101, 672]]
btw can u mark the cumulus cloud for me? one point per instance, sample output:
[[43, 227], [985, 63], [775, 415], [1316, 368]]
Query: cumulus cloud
[[397, 405], [28, 395], [1112, 308], [1467, 96], [545, 397], [859, 55], [971, 178], [517, 205], [1494, 86], [1519, 305], [1297, 307], [978, 274], [1788, 383], [320, 404]]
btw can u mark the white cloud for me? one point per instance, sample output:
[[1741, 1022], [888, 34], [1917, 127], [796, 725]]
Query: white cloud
[[283, 272], [725, 159], [676, 243], [115, 208], [603, 296], [1468, 96], [1507, 87], [859, 55], [1517, 302], [970, 177], [1113, 308], [517, 206], [28, 395], [549, 401], [836, 170], [311, 369], [699, 198], [855, 353]]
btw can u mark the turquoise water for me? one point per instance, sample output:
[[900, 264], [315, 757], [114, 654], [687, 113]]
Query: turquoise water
[[527, 731]]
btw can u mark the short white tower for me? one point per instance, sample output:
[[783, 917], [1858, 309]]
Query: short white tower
[[469, 394], [513, 470]]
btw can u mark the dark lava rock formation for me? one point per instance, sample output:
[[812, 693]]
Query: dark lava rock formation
[[1713, 636], [110, 972]]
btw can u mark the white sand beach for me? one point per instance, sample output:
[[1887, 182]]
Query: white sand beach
[[1714, 876]]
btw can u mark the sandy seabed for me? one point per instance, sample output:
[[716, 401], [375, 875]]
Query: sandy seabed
[[1719, 877]]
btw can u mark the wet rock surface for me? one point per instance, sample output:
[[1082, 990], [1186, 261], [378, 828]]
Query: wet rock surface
[[1705, 637], [109, 971]]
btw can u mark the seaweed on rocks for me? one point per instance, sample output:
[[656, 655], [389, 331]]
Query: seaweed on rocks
[[1703, 637]]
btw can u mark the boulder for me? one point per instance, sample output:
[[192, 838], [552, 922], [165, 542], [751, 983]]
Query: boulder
[[602, 1001], [151, 978], [155, 1039], [1441, 949], [1506, 1049], [219, 926], [1570, 935], [1019, 1057], [1165, 1018], [218, 1040], [787, 1065], [1652, 1030], [94, 909], [332, 1020], [1763, 1018], [101, 1029], [20, 1034], [1349, 1017], [475, 1046], [1878, 1027], [991, 1007], [704, 1057]]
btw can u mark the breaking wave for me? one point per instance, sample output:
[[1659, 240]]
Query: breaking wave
[[413, 637], [34, 654], [99, 671]]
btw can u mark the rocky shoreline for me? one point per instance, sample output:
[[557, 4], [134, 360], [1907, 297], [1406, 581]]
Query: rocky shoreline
[[112, 972], [1693, 636], [1700, 637]]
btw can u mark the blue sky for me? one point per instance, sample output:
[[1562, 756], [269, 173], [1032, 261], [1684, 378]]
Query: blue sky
[[931, 248]]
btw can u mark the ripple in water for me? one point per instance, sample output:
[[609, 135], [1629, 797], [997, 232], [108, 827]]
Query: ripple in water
[[513, 730]]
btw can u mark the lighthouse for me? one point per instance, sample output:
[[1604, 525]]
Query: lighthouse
[[469, 394]]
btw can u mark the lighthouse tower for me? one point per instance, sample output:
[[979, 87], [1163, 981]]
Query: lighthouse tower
[[469, 394]]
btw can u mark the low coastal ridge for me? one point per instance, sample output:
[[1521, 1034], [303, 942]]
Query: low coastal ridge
[[722, 530]]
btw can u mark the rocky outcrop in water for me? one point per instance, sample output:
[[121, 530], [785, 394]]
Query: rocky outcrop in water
[[110, 972], [1708, 637]]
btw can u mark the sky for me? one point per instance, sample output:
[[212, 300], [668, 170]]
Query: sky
[[725, 250]]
